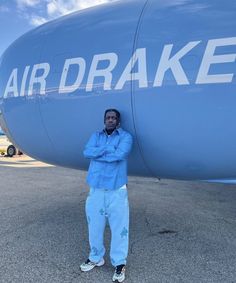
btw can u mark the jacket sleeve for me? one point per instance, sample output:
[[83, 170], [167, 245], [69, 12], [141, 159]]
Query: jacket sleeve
[[120, 153], [91, 150]]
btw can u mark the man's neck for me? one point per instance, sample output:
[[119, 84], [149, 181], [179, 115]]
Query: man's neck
[[109, 131]]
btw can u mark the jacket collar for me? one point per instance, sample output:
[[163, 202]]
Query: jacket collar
[[118, 130]]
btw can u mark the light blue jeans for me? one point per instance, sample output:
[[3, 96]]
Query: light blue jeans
[[111, 205]]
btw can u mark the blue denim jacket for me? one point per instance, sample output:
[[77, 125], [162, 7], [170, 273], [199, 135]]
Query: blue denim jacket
[[108, 154]]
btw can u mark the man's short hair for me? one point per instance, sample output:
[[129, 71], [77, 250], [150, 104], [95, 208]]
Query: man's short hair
[[112, 110]]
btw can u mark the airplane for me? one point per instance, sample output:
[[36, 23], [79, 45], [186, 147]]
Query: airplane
[[167, 65]]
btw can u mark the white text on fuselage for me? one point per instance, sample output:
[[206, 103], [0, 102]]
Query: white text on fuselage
[[34, 78]]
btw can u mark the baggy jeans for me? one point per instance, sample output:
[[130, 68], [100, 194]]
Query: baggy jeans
[[111, 205]]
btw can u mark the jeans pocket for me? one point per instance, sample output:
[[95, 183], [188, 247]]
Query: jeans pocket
[[122, 192], [91, 192]]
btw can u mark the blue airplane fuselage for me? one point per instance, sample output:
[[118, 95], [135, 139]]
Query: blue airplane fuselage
[[168, 66]]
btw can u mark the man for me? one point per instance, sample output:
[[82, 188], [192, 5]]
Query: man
[[107, 177]]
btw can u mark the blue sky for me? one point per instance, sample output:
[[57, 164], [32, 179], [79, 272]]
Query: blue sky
[[19, 16]]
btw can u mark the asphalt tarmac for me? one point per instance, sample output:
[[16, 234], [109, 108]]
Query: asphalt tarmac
[[179, 231]]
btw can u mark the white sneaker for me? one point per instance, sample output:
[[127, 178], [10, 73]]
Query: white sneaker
[[119, 274], [89, 265]]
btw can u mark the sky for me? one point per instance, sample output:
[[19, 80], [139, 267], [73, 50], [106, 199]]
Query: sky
[[20, 16]]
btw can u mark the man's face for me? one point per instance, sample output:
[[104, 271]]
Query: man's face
[[111, 121]]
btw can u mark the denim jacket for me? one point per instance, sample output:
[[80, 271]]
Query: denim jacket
[[108, 154]]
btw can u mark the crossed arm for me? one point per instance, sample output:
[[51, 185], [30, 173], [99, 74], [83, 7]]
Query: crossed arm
[[108, 153]]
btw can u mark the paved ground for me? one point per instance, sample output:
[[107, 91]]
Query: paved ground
[[180, 231]]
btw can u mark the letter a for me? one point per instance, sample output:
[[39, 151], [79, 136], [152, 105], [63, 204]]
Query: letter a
[[12, 85]]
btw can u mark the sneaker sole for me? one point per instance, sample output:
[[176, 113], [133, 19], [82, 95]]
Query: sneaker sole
[[119, 280], [101, 263], [92, 267]]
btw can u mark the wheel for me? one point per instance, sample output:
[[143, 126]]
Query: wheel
[[11, 150]]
